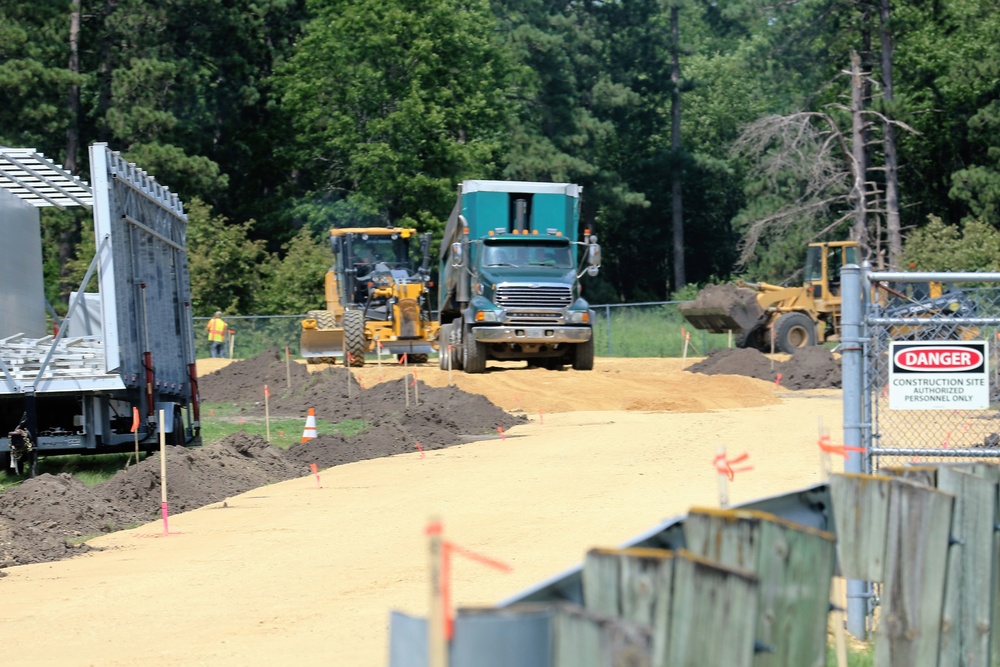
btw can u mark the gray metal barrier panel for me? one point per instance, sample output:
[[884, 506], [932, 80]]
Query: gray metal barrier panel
[[483, 638]]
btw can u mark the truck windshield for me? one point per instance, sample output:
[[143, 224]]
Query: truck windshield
[[555, 255]]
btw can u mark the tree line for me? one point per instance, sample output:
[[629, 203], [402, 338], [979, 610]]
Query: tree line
[[713, 139]]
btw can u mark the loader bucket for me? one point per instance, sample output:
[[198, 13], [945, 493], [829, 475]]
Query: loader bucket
[[723, 308], [322, 343]]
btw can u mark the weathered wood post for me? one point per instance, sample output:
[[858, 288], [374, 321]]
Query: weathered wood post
[[794, 564], [861, 516], [965, 618], [915, 565]]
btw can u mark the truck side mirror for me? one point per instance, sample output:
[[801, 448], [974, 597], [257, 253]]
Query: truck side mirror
[[457, 259], [593, 257]]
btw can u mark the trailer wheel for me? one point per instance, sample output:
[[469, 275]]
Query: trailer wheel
[[444, 346], [794, 331], [354, 338], [177, 436], [473, 353], [583, 355]]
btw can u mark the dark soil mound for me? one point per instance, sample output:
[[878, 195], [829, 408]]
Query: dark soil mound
[[40, 518], [738, 361], [243, 381], [812, 367]]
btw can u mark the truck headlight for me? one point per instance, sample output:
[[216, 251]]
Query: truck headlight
[[579, 317], [489, 316]]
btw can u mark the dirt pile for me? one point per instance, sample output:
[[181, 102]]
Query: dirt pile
[[810, 368], [42, 518]]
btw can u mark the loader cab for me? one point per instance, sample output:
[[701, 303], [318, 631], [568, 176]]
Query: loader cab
[[822, 270]]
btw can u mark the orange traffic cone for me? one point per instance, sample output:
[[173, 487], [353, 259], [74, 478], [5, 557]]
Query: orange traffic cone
[[310, 430]]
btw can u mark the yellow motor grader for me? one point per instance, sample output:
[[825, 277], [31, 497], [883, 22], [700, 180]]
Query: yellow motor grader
[[375, 297]]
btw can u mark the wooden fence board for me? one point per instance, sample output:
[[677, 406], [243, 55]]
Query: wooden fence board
[[635, 584], [965, 617], [991, 471], [713, 613], [861, 514], [916, 563], [795, 566]]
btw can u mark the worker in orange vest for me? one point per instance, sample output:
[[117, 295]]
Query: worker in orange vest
[[216, 335]]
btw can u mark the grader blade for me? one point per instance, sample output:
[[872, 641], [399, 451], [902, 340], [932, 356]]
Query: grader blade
[[319, 344], [723, 308]]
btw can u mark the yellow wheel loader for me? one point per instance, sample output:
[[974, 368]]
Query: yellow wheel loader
[[786, 319], [375, 298]]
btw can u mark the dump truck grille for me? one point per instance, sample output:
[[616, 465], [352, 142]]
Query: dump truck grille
[[532, 319], [540, 296]]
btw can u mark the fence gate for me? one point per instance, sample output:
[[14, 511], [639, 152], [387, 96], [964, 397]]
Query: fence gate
[[931, 364]]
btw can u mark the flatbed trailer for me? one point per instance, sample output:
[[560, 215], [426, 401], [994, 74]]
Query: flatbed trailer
[[122, 356]]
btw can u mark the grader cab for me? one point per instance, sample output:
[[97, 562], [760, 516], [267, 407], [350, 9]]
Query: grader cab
[[375, 298]]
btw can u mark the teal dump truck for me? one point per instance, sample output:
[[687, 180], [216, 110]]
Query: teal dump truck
[[509, 289]]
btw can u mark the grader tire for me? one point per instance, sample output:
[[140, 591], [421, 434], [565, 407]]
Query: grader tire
[[355, 344]]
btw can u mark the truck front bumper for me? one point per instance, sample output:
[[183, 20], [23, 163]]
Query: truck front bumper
[[523, 335]]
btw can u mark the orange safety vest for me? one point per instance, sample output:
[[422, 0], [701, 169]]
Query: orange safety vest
[[216, 330]]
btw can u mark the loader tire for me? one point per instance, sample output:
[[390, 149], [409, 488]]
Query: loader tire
[[794, 331], [355, 344], [418, 358], [583, 355], [444, 349], [324, 319], [473, 353]]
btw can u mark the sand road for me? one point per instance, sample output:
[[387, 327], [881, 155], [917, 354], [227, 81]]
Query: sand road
[[294, 574]]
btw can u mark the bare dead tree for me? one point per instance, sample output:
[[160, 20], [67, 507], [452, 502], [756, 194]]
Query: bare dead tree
[[818, 170], [892, 225], [802, 154]]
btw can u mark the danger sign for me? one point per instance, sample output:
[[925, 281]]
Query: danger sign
[[939, 375]]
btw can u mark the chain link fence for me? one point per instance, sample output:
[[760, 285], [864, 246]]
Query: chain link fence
[[910, 415], [649, 329]]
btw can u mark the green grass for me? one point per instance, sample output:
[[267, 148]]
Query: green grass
[[650, 331], [220, 420], [862, 658]]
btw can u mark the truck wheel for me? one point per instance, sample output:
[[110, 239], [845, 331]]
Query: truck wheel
[[583, 355], [456, 346], [794, 331], [473, 353], [444, 340], [354, 338]]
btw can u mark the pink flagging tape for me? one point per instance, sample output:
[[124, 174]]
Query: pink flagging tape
[[541, 419], [314, 467], [724, 465], [165, 511], [503, 436], [777, 380], [421, 450]]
